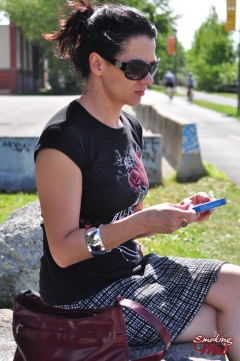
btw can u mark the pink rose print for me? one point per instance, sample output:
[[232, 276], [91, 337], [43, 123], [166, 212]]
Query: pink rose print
[[135, 178], [135, 172]]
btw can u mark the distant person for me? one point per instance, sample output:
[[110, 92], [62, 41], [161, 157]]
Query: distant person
[[169, 81], [190, 85]]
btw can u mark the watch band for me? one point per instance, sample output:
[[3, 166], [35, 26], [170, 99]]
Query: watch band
[[94, 242]]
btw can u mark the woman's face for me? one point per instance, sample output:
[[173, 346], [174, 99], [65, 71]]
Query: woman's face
[[120, 89]]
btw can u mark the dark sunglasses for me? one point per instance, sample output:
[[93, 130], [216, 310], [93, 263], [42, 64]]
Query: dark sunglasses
[[135, 69]]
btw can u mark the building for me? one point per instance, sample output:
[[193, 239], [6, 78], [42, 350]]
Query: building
[[21, 63]]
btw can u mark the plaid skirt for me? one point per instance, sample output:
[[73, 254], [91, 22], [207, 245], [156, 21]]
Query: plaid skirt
[[172, 288]]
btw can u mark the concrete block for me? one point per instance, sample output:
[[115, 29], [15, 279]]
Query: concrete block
[[189, 166], [152, 154], [17, 169], [180, 144], [182, 352]]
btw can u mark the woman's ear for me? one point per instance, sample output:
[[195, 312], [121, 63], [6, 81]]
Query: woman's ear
[[96, 63]]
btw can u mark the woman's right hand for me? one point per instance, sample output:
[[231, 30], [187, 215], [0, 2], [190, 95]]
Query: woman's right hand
[[166, 218]]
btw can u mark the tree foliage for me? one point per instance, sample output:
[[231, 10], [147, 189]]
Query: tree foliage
[[159, 13], [35, 17], [212, 57]]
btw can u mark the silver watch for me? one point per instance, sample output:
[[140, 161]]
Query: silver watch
[[94, 242]]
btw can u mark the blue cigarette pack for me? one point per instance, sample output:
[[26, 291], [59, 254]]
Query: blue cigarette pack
[[198, 208]]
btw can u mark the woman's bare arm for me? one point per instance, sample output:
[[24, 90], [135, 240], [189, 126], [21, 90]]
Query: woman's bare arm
[[59, 184]]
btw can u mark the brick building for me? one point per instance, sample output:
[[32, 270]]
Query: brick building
[[21, 63]]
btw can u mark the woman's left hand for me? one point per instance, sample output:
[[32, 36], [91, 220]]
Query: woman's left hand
[[198, 198]]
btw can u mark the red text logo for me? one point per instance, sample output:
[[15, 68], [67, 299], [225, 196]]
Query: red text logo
[[217, 345]]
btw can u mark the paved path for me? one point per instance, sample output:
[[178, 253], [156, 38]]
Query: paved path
[[219, 135], [25, 116], [212, 98]]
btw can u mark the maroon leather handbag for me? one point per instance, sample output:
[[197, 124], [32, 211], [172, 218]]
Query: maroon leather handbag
[[46, 333]]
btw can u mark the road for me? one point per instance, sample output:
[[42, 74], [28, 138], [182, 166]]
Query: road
[[219, 135]]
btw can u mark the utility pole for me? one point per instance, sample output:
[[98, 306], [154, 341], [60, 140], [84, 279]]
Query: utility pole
[[230, 25], [238, 89], [175, 56]]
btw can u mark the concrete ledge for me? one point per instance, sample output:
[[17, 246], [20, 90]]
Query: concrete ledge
[[177, 352], [181, 352], [180, 143], [152, 157], [17, 169]]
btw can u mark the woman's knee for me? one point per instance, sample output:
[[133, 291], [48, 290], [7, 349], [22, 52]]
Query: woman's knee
[[225, 293]]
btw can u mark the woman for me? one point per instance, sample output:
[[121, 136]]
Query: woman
[[91, 184]]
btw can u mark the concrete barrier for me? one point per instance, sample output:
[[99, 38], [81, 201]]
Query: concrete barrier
[[17, 170], [180, 143], [173, 137], [152, 157]]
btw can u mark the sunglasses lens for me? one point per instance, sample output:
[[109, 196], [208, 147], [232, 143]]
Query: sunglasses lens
[[136, 70]]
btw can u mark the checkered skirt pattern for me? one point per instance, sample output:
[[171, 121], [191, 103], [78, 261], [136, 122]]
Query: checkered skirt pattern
[[172, 288]]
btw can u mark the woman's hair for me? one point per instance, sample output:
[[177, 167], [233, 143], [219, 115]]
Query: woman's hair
[[104, 29]]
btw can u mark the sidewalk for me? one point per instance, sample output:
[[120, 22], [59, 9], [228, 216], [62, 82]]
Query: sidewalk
[[212, 98], [218, 134]]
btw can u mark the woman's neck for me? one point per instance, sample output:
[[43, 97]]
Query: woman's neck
[[101, 109]]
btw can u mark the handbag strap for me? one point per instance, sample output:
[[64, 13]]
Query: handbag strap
[[154, 322]]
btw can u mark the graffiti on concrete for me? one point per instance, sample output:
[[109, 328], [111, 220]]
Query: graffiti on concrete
[[151, 156], [151, 148], [189, 141], [17, 146]]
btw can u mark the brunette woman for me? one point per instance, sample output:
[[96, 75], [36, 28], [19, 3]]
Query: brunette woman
[[91, 183]]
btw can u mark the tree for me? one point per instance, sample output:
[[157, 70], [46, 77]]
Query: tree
[[35, 17], [159, 13], [212, 57]]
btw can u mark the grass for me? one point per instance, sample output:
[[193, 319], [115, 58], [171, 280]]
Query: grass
[[10, 202], [225, 109], [218, 237], [226, 95]]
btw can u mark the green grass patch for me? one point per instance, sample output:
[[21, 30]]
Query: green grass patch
[[225, 109], [12, 201], [226, 95], [218, 237]]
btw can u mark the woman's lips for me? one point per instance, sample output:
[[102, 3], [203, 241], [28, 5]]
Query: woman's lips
[[140, 92]]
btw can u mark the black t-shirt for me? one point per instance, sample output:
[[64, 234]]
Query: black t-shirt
[[114, 182]]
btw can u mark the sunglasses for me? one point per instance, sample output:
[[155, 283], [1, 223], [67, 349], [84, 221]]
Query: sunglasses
[[134, 69]]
